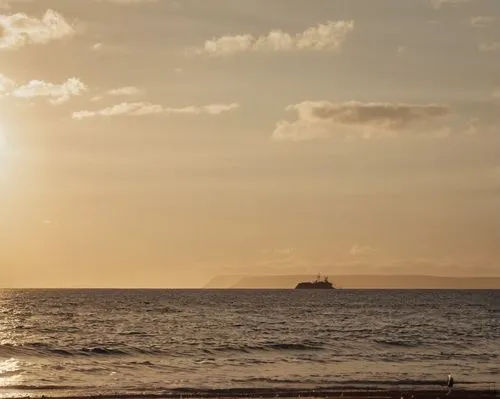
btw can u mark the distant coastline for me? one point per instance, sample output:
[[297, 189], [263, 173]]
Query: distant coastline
[[355, 282]]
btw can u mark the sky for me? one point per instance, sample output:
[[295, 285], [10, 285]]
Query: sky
[[157, 143]]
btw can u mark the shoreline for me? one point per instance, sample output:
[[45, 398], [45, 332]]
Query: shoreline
[[345, 392]]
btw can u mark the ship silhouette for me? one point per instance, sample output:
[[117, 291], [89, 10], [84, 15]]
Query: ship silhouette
[[318, 284]]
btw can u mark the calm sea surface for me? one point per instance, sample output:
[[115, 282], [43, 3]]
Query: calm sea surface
[[85, 342]]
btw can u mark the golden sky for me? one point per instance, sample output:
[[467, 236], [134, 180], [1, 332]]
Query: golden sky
[[156, 143]]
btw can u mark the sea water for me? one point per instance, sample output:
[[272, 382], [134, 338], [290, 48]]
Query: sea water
[[90, 342]]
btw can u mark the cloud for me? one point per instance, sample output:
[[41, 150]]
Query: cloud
[[97, 46], [106, 48], [57, 93], [357, 250], [125, 108], [144, 108], [320, 119], [125, 91], [439, 3], [120, 91], [481, 21], [329, 36], [495, 46], [18, 30]]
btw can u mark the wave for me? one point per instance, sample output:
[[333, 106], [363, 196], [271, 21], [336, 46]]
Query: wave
[[104, 351], [395, 342], [294, 346], [42, 349], [267, 346]]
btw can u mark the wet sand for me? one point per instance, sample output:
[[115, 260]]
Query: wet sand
[[273, 393]]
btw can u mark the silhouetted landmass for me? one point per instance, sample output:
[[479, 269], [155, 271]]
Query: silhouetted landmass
[[357, 281], [224, 281]]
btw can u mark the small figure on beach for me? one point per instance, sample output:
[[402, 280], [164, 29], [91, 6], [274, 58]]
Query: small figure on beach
[[449, 384]]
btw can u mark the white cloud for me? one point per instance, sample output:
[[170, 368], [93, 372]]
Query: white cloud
[[495, 46], [56, 93], [211, 109], [18, 30], [125, 91], [357, 250], [125, 108], [440, 3], [481, 21], [321, 119], [97, 46], [106, 48], [328, 36], [143, 108]]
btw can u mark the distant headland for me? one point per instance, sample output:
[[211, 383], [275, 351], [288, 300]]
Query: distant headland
[[355, 282]]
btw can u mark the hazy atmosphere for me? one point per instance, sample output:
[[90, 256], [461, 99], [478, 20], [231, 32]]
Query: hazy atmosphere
[[159, 143]]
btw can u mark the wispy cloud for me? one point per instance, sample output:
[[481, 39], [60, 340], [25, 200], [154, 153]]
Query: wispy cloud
[[144, 108], [125, 91], [481, 21], [495, 46], [97, 46], [320, 119], [18, 30], [329, 36], [56, 93], [106, 48], [357, 250]]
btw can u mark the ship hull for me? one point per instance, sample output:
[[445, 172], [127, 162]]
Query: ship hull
[[314, 286]]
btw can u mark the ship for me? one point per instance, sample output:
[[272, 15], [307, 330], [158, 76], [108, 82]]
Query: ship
[[318, 284]]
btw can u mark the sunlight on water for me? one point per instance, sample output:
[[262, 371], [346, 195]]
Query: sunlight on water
[[82, 342], [9, 372]]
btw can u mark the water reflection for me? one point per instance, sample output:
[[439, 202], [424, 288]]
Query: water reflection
[[10, 373]]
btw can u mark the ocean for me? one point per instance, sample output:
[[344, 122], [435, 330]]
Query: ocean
[[143, 342]]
